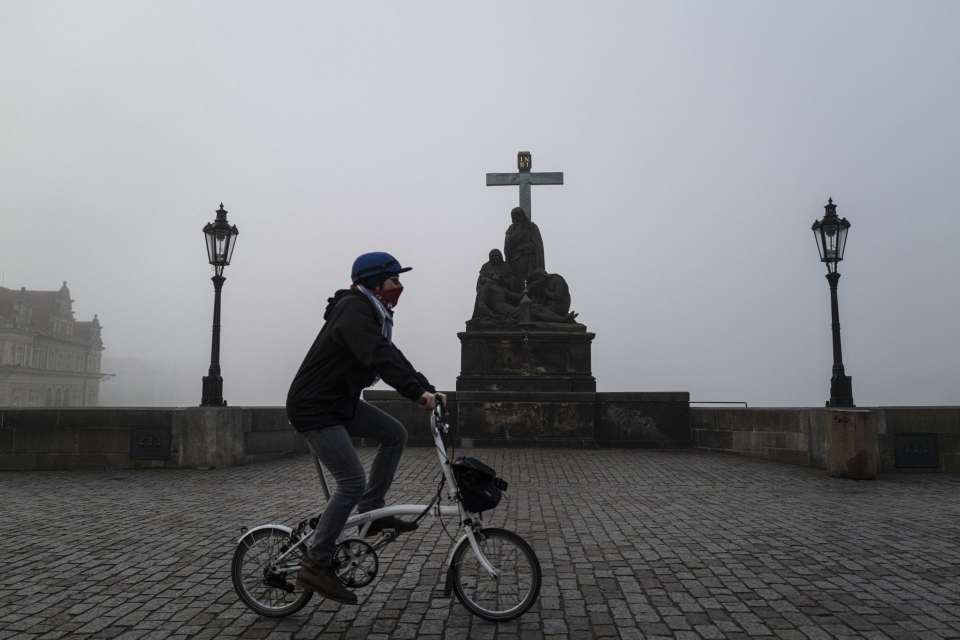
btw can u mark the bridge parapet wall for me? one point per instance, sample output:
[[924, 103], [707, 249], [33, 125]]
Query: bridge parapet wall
[[143, 437], [798, 435], [205, 438]]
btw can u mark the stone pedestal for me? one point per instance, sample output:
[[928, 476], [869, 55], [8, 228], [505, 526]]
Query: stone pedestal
[[852, 444], [526, 388], [534, 361]]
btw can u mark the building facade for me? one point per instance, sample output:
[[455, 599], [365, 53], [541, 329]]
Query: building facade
[[47, 359]]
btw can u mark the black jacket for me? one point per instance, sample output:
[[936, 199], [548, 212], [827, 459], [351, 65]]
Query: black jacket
[[346, 358]]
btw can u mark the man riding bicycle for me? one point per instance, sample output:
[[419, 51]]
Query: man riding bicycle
[[353, 350]]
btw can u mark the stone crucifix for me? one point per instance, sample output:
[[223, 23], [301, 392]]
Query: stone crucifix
[[524, 178]]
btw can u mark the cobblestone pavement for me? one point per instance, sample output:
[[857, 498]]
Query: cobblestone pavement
[[633, 544]]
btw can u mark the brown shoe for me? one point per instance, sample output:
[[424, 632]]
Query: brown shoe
[[324, 581], [390, 522]]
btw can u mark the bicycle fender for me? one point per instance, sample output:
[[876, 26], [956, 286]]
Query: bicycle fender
[[448, 579], [453, 549], [265, 526]]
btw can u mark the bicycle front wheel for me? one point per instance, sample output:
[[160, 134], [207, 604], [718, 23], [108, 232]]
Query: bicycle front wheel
[[269, 593], [503, 597]]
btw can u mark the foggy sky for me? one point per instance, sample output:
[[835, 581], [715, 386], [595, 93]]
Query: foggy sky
[[698, 141]]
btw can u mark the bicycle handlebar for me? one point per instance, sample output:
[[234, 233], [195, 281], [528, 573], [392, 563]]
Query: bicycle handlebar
[[438, 400]]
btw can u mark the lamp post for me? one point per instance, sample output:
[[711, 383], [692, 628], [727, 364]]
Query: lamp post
[[221, 238], [831, 235]]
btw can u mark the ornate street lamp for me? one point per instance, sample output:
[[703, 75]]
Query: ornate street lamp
[[221, 238], [831, 235]]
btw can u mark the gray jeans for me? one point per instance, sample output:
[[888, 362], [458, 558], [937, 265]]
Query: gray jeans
[[340, 459]]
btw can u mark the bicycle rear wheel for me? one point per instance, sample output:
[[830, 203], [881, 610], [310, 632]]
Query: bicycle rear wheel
[[270, 594], [507, 596]]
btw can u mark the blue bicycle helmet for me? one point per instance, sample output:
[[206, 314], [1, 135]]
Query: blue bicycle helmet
[[375, 263]]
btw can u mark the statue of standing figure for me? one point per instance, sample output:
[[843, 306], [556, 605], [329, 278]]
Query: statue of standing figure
[[523, 248]]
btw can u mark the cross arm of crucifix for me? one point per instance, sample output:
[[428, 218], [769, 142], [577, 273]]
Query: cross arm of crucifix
[[508, 179]]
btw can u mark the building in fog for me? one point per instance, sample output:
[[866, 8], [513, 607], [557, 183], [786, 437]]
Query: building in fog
[[47, 359]]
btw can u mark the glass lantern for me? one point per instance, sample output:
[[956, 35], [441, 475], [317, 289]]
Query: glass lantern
[[221, 238], [831, 236]]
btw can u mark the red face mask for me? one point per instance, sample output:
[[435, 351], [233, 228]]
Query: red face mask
[[390, 297]]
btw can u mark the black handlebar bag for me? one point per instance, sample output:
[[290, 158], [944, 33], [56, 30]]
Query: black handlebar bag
[[480, 488]]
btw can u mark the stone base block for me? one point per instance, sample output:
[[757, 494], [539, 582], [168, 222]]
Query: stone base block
[[644, 420], [526, 361], [852, 444], [211, 438], [550, 420], [496, 419]]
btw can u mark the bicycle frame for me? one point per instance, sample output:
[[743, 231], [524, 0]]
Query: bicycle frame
[[363, 520]]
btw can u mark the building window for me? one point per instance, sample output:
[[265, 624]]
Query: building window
[[34, 400]]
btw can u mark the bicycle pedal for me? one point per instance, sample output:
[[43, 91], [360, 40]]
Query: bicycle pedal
[[386, 537], [391, 533]]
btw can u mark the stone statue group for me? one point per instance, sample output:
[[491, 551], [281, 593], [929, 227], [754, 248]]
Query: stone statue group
[[517, 278]]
